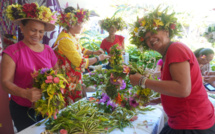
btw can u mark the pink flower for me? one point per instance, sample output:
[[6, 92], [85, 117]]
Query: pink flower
[[63, 131], [172, 26], [56, 80], [203, 56], [35, 74], [54, 19], [55, 114], [126, 69], [62, 90], [49, 79]]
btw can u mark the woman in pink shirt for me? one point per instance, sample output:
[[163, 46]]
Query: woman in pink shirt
[[21, 59], [183, 96]]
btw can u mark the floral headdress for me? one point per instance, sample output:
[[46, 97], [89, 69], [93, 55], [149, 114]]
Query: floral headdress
[[118, 23], [16, 13], [152, 22], [78, 16], [210, 34]]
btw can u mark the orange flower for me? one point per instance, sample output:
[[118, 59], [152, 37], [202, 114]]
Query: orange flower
[[126, 69], [118, 99], [91, 99], [141, 39]]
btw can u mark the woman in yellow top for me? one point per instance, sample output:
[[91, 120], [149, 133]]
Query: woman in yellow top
[[70, 53]]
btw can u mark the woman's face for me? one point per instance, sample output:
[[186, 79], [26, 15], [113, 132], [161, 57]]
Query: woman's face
[[205, 59], [76, 29], [33, 31], [112, 31], [156, 41]]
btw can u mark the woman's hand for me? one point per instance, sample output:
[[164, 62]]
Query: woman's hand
[[134, 79], [103, 57], [209, 79], [98, 52], [33, 94]]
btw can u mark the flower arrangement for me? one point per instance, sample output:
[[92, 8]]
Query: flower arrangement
[[154, 21], [52, 85], [118, 23], [78, 16], [32, 10], [87, 117], [9, 39], [95, 78], [210, 34], [116, 55]]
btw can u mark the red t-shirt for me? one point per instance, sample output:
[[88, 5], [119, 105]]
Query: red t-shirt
[[194, 111], [105, 45]]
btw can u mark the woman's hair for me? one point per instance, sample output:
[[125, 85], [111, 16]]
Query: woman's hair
[[203, 51], [69, 10], [24, 22]]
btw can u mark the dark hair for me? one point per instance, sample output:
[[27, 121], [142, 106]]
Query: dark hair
[[203, 51], [69, 10], [24, 22]]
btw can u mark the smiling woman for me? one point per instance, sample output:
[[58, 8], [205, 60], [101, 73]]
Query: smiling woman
[[21, 59]]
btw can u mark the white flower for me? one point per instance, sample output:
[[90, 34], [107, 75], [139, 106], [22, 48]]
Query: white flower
[[155, 28]]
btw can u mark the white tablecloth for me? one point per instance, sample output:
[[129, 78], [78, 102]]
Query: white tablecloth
[[151, 122]]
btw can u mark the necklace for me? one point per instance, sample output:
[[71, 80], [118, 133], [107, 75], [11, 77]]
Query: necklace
[[166, 50]]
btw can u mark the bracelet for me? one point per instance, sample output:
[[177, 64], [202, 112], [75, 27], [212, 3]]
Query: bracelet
[[143, 82], [97, 58], [140, 80]]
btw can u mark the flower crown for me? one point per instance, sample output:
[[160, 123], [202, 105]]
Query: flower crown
[[152, 22], [31, 11], [118, 23], [72, 18], [210, 34]]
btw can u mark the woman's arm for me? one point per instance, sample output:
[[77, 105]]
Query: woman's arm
[[7, 76], [179, 86]]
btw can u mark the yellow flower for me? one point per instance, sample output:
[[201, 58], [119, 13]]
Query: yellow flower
[[14, 37], [43, 85], [143, 23], [45, 13], [138, 92], [136, 29], [159, 13], [158, 22]]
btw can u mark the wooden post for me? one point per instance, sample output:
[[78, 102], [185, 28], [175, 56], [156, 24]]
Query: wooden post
[[6, 126]]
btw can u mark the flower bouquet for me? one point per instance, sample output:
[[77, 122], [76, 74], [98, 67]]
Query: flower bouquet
[[116, 55], [52, 85]]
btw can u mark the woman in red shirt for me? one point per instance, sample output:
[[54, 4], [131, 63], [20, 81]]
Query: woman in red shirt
[[183, 95], [112, 25]]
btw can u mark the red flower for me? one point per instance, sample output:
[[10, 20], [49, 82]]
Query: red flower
[[80, 16], [63, 131], [172, 26], [56, 80], [30, 10]]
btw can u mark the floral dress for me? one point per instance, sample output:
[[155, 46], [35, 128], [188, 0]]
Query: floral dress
[[72, 64]]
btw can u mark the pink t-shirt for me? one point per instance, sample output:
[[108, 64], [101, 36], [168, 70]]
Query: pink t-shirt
[[27, 61], [194, 111], [105, 45]]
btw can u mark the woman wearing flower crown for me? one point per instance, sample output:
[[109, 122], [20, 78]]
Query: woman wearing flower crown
[[183, 95], [204, 57], [112, 25], [70, 53], [22, 58]]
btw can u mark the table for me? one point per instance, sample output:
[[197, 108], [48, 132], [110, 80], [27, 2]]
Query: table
[[151, 122]]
